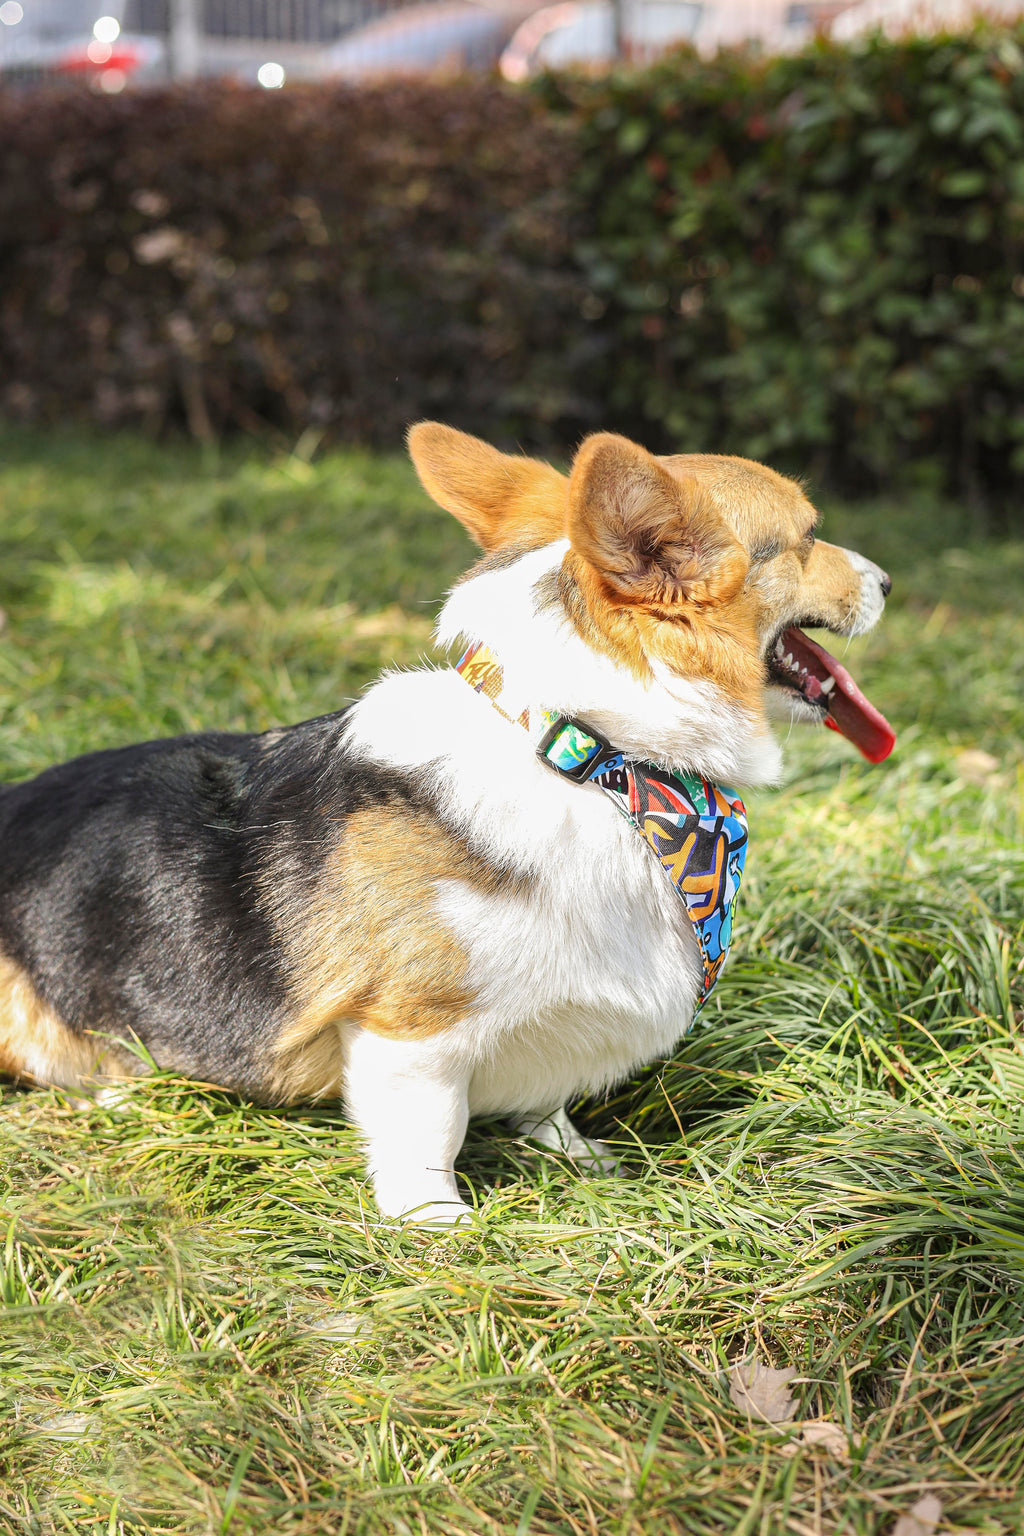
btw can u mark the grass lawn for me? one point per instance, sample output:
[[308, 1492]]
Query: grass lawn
[[203, 1329]]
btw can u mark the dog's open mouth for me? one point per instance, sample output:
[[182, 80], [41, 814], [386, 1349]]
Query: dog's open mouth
[[807, 668]]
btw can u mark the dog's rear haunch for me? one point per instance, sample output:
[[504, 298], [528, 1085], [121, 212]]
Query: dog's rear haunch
[[402, 904]]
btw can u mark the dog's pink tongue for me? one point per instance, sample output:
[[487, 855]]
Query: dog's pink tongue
[[849, 712]]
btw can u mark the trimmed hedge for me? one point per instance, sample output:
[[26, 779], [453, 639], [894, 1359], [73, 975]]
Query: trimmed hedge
[[323, 257], [818, 260]]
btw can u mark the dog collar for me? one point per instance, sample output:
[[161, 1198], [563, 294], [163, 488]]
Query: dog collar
[[697, 830]]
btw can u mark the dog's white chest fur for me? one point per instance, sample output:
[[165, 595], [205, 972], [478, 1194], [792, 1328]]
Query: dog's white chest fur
[[578, 981], [589, 970]]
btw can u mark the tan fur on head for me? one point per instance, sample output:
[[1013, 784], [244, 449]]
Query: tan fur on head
[[793, 576], [499, 498], [661, 573], [696, 561], [657, 540]]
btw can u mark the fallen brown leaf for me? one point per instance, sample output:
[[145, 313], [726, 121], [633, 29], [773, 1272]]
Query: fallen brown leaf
[[922, 1519], [819, 1434], [762, 1392]]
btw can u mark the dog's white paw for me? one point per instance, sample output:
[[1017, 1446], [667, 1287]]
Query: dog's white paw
[[556, 1132], [439, 1215], [594, 1157], [430, 1204]]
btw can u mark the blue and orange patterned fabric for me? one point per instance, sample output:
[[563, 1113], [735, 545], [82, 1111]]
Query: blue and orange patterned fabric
[[696, 829]]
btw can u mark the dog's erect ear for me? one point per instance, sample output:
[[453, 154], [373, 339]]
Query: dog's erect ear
[[652, 537], [500, 498]]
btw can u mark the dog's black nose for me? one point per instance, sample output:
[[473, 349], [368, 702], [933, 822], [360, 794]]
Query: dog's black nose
[[886, 584]]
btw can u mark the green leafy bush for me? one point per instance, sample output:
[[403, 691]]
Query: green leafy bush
[[818, 259]]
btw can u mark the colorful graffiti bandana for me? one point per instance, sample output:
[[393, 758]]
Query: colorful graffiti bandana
[[697, 830]]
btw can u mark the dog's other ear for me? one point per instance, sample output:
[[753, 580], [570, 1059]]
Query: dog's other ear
[[653, 538], [500, 498]]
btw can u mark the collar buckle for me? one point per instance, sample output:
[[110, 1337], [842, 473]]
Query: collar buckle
[[573, 752]]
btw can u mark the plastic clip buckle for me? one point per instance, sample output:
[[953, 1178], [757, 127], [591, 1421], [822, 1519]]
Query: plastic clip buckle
[[580, 771]]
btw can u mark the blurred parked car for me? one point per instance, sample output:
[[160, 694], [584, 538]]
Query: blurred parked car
[[583, 32], [75, 37], [421, 39], [473, 34]]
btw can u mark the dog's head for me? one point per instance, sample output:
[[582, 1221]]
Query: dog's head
[[686, 568]]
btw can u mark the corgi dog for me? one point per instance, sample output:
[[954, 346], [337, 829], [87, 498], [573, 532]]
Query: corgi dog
[[401, 904]]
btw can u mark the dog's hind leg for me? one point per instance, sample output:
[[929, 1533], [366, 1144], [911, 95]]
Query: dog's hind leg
[[38, 1048], [553, 1129], [410, 1100]]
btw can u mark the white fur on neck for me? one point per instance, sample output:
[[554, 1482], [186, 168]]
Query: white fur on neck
[[681, 723]]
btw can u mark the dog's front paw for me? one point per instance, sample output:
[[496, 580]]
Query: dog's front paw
[[594, 1157], [433, 1204], [556, 1132], [438, 1214]]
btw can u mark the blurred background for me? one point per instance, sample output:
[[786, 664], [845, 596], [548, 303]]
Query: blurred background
[[792, 229], [140, 41]]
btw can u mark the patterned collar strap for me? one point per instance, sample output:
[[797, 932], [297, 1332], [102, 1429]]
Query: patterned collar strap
[[696, 829]]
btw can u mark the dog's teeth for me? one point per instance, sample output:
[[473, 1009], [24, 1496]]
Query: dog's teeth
[[828, 685], [787, 660]]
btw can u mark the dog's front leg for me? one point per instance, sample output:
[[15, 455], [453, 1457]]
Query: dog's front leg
[[409, 1099]]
